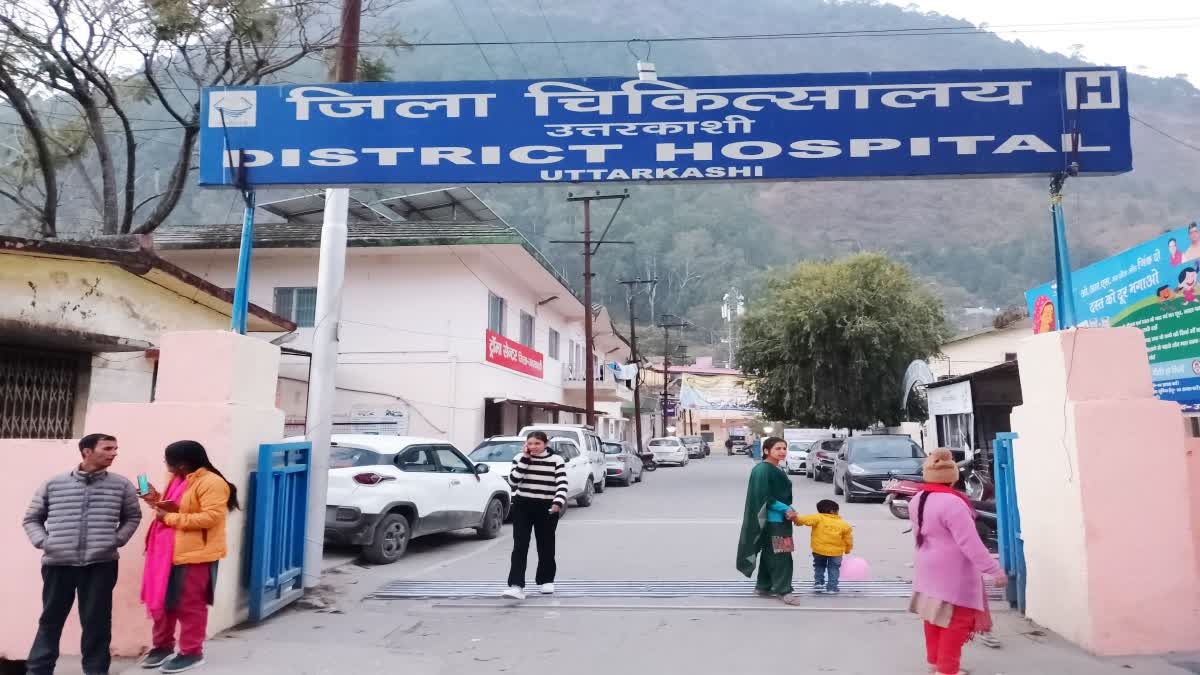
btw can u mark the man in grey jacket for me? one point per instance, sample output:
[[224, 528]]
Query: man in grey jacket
[[79, 520]]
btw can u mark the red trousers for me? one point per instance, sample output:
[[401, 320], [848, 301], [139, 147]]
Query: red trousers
[[191, 613], [943, 646]]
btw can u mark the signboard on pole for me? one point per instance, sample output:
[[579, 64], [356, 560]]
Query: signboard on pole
[[513, 355], [1152, 286], [755, 127]]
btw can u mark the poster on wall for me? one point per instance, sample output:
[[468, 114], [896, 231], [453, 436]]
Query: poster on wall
[[1151, 286], [513, 355], [716, 392]]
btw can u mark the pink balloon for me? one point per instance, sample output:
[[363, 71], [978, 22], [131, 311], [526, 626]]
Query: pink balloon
[[855, 569]]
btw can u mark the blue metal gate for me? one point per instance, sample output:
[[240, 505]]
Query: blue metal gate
[[276, 539], [1008, 521]]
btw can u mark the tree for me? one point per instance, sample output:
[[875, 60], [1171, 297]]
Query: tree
[[829, 344], [84, 75]]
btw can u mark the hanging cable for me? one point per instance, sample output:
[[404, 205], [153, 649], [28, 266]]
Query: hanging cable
[[511, 46], [554, 40], [1164, 134], [470, 33]]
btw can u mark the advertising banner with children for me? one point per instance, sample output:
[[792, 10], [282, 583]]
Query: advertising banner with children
[[1151, 286]]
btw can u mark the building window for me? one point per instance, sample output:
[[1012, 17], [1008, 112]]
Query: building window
[[298, 305], [553, 348], [37, 393], [526, 330], [497, 308]]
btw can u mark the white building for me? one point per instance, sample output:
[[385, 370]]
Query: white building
[[423, 301]]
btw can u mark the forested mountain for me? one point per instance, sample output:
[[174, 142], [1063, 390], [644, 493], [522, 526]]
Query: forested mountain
[[981, 242]]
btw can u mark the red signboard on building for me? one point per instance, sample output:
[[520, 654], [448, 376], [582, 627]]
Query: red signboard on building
[[513, 355]]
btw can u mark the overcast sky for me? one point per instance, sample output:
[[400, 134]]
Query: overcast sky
[[1136, 36]]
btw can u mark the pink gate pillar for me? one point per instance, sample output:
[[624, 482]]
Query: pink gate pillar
[[217, 388], [1106, 505]]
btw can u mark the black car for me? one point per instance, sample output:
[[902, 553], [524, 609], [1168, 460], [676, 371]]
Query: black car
[[821, 456], [864, 463]]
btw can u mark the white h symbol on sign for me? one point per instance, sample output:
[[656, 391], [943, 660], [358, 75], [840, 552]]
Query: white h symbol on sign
[[1093, 90]]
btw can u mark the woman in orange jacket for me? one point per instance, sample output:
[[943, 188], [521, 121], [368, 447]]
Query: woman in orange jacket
[[182, 549]]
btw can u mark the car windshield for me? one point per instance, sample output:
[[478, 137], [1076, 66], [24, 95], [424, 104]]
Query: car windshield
[[664, 441], [612, 449], [799, 446], [885, 448], [497, 451], [343, 457]]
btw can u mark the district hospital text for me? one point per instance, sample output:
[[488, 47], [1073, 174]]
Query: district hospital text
[[609, 153]]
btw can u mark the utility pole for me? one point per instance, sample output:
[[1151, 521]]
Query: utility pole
[[667, 364], [588, 252], [732, 308], [331, 273], [630, 292]]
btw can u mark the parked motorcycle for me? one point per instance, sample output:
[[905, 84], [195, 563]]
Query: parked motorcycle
[[973, 482], [648, 462]]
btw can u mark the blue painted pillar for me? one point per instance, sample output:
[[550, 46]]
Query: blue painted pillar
[[1065, 316], [241, 292]]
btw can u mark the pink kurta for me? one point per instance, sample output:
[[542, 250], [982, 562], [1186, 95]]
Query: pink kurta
[[952, 561]]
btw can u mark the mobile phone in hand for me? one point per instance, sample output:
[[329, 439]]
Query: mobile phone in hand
[[143, 484]]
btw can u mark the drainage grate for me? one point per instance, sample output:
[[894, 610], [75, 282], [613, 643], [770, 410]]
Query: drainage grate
[[426, 589]]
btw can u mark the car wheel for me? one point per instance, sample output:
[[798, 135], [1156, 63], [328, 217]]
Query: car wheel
[[837, 489], [391, 540], [589, 491], [493, 520], [601, 485]]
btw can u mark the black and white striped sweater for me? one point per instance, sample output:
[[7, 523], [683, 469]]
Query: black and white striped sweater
[[540, 477]]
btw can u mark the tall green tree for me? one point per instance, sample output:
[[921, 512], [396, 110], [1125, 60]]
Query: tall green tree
[[831, 340], [89, 79]]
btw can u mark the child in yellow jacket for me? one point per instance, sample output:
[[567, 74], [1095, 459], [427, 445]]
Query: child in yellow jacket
[[832, 538]]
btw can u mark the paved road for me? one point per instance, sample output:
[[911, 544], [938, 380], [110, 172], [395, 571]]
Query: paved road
[[680, 524]]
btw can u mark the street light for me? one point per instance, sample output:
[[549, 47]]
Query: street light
[[768, 429]]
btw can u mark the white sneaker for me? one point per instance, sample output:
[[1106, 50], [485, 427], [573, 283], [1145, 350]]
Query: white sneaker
[[514, 592], [547, 589]]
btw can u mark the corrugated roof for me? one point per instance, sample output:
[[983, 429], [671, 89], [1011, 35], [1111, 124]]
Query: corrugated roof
[[303, 235], [1006, 367]]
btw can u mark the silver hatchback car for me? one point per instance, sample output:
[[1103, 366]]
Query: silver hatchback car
[[622, 464]]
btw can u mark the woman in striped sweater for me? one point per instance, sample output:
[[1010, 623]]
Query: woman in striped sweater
[[539, 482]]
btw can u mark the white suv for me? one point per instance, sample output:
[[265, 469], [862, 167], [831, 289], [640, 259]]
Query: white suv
[[385, 490], [498, 452], [587, 440]]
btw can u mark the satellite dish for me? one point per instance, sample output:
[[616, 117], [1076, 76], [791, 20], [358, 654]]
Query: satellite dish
[[918, 372]]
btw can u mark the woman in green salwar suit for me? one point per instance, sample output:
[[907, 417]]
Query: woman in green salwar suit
[[766, 525]]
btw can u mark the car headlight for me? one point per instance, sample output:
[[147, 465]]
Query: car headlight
[[856, 469]]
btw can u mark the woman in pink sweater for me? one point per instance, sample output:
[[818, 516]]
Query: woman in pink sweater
[[948, 591]]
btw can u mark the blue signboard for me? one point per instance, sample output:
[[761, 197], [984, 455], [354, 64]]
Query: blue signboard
[[1153, 287], [757, 127]]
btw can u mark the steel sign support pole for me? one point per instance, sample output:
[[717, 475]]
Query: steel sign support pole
[[331, 272], [241, 291], [1065, 316]]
